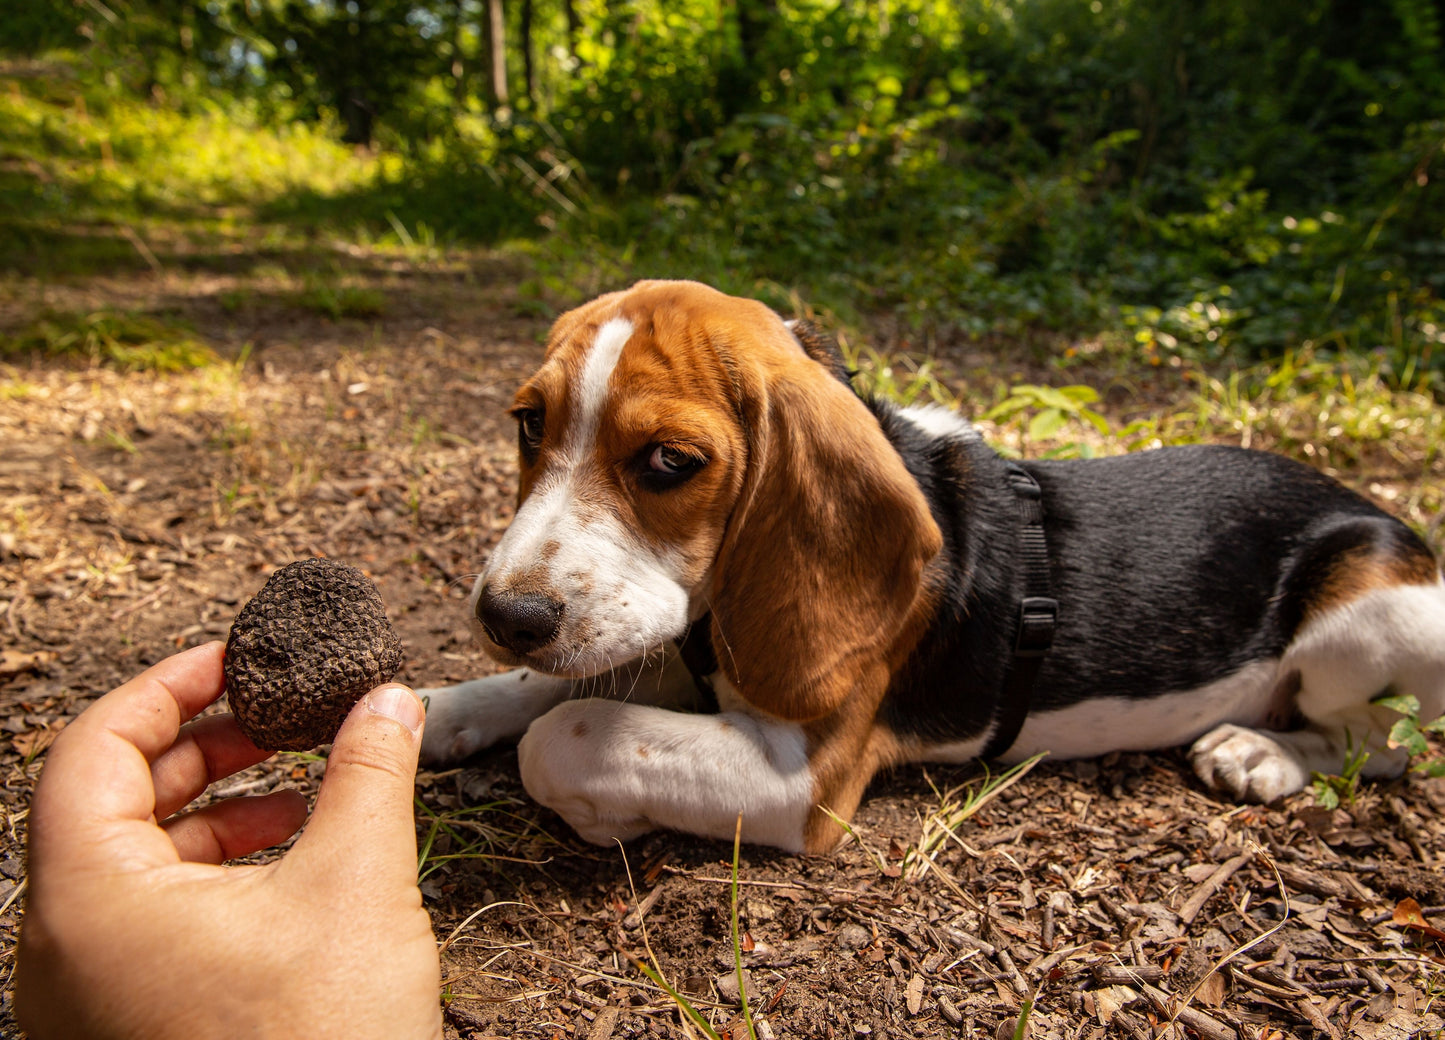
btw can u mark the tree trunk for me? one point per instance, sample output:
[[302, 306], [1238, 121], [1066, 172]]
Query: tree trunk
[[459, 59], [359, 121], [529, 84], [497, 23], [574, 28]]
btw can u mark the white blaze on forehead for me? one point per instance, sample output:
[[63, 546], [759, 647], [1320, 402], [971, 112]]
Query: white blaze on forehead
[[591, 389], [623, 598]]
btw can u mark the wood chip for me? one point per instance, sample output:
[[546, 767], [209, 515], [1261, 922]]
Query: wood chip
[[913, 995], [1208, 1027], [1195, 903], [14, 662], [1301, 880], [603, 1025], [1107, 973]]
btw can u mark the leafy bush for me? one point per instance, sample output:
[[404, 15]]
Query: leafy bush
[[1234, 178]]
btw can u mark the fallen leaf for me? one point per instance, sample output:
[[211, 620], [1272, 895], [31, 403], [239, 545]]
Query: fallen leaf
[[1409, 915], [33, 741], [1212, 991], [16, 662], [1110, 999]]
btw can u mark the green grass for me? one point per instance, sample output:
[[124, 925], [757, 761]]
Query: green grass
[[653, 969], [491, 832], [326, 293], [956, 806], [101, 147], [132, 342]]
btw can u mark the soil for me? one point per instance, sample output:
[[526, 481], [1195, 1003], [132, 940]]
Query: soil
[[138, 511]]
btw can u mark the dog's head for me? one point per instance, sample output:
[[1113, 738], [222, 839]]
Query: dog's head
[[682, 454]]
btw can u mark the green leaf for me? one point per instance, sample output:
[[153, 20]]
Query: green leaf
[[1046, 424], [1406, 704], [1048, 396], [1010, 406], [1406, 734], [1080, 394]]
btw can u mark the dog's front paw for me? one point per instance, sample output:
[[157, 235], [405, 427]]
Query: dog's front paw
[[571, 768], [454, 727], [1250, 765], [463, 719]]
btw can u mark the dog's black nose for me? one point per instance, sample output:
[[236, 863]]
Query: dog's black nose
[[520, 622]]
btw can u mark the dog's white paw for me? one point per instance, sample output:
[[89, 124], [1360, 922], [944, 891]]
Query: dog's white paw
[[454, 727], [1251, 765], [463, 719], [574, 770]]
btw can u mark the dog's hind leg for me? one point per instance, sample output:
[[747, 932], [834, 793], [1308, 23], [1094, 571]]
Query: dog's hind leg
[[1363, 637]]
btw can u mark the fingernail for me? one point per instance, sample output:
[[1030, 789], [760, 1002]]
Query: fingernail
[[398, 703]]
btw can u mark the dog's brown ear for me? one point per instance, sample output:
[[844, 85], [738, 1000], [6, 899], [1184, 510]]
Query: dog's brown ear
[[821, 566], [822, 348]]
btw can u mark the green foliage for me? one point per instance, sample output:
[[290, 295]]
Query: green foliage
[[35, 26], [1051, 409], [81, 165], [1226, 180], [1409, 732], [1331, 790], [898, 377], [325, 293], [128, 341], [1338, 410]]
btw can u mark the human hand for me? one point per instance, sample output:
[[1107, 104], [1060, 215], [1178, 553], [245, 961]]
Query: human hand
[[134, 929]]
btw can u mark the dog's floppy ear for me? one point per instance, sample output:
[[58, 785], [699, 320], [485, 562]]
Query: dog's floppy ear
[[822, 348], [821, 564]]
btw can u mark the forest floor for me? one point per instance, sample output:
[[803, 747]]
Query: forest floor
[[355, 409]]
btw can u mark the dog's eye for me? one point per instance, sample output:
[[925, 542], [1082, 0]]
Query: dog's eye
[[668, 465], [530, 423]]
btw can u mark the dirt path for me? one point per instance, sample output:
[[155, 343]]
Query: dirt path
[[139, 510]]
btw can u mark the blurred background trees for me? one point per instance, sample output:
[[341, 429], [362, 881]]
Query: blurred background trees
[[1211, 175]]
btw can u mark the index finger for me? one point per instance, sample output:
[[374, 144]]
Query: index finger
[[98, 770]]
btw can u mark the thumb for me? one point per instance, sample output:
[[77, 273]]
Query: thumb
[[363, 821]]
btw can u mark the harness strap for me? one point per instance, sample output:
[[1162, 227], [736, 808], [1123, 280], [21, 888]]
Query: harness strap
[[701, 660], [1038, 616]]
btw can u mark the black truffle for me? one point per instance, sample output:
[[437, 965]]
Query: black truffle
[[310, 644]]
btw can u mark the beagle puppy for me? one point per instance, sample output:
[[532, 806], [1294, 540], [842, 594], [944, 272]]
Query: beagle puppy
[[734, 587]]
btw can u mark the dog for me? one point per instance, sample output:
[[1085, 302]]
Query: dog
[[734, 587]]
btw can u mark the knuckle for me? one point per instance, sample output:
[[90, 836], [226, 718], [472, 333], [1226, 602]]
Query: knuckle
[[381, 754]]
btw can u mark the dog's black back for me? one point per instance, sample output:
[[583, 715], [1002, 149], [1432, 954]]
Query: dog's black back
[[1174, 568]]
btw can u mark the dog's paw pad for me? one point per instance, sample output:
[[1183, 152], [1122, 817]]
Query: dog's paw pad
[[1250, 765]]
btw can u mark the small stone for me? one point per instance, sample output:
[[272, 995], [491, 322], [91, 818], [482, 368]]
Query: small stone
[[853, 937], [727, 986]]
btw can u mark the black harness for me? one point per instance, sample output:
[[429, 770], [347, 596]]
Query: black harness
[[701, 660], [1038, 617]]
